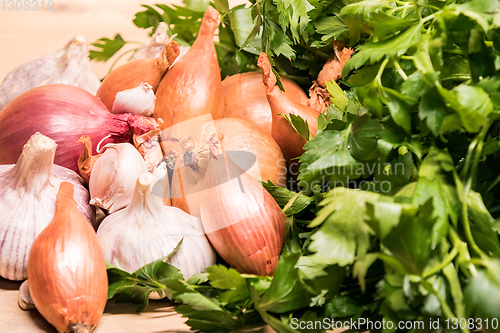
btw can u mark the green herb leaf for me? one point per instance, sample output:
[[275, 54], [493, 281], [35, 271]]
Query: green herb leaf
[[299, 125], [374, 52], [293, 15], [108, 48], [342, 235]]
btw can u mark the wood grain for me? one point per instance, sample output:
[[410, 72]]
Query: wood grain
[[27, 35]]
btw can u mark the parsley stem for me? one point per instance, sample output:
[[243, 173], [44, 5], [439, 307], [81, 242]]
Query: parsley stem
[[476, 148], [381, 71], [400, 71], [398, 2], [404, 8], [446, 261], [403, 14], [464, 255], [316, 52], [428, 18], [479, 150], [494, 183], [117, 59], [444, 306], [466, 224]]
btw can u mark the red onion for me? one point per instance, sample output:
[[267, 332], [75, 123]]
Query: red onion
[[64, 113]]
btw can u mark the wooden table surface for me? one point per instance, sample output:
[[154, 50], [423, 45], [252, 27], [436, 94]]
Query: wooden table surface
[[27, 35], [159, 317]]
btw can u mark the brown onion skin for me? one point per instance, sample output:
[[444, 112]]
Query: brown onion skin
[[133, 73], [245, 98], [290, 142], [192, 87], [237, 135], [63, 113], [66, 272], [249, 241]]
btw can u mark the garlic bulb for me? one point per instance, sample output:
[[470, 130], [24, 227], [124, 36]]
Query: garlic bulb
[[147, 230], [67, 273], [155, 47], [113, 176], [70, 65], [28, 193], [139, 100]]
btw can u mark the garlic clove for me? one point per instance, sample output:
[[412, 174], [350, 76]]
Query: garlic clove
[[69, 65], [139, 100], [24, 299], [113, 177], [131, 74]]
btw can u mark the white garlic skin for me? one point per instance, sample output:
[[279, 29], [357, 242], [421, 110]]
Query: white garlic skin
[[114, 175], [28, 194], [147, 230], [140, 100], [155, 47], [24, 299], [69, 65]]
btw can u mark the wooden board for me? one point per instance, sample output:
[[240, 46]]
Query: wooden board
[[159, 317]]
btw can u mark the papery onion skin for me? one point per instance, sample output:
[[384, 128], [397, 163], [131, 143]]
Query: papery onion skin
[[67, 273], [251, 146], [133, 73], [242, 221], [245, 98], [28, 193], [241, 135], [290, 142], [192, 87], [320, 98], [64, 113]]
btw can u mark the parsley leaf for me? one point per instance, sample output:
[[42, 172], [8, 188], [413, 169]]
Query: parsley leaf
[[108, 48]]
